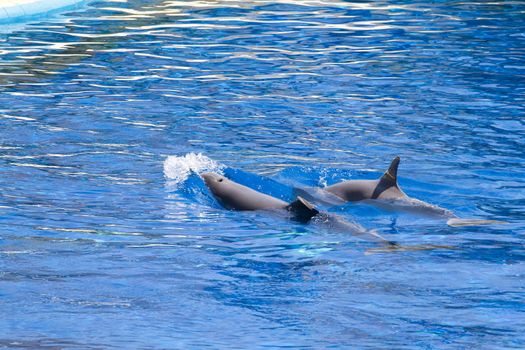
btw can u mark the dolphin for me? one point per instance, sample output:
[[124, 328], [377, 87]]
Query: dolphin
[[385, 192], [235, 196]]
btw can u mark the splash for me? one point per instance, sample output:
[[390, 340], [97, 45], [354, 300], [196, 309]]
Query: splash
[[322, 178], [177, 169]]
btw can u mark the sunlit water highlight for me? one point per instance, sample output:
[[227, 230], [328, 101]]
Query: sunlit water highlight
[[109, 238]]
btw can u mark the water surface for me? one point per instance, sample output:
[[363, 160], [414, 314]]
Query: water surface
[[105, 242]]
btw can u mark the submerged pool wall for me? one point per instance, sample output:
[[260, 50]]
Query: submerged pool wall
[[14, 11]]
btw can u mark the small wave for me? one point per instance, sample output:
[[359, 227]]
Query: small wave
[[177, 169]]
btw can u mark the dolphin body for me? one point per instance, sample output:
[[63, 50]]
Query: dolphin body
[[385, 192], [235, 196]]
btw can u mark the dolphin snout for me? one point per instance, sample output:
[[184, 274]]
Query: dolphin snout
[[210, 178]]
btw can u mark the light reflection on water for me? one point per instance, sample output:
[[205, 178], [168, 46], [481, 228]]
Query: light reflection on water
[[93, 101]]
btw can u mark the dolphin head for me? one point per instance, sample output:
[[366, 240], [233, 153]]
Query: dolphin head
[[224, 190], [214, 182]]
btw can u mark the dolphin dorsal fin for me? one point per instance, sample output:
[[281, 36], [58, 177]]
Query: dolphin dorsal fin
[[302, 210], [390, 176], [388, 179]]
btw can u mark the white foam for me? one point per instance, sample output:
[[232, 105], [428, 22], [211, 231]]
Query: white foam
[[177, 169]]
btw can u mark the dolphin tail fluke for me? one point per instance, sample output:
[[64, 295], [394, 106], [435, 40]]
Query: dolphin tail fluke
[[457, 222], [302, 210], [375, 233]]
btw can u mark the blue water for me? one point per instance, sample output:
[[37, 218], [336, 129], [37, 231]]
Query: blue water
[[108, 238]]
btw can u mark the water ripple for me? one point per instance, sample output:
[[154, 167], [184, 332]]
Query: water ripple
[[104, 110]]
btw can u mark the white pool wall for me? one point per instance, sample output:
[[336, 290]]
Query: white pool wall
[[12, 11]]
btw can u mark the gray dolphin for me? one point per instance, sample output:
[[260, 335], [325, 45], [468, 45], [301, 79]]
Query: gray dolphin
[[385, 187], [235, 196], [385, 192]]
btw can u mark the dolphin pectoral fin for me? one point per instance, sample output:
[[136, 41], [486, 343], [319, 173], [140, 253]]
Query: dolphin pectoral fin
[[457, 222], [302, 210], [393, 247]]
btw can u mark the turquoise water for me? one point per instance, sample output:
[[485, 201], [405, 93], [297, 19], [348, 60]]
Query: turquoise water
[[109, 239]]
